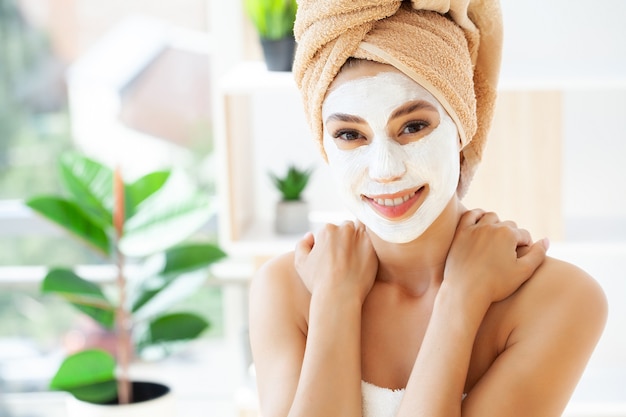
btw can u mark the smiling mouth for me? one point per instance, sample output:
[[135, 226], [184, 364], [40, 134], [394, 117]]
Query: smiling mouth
[[392, 202], [396, 206]]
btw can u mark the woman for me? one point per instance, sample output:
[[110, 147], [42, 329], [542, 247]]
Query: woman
[[421, 307]]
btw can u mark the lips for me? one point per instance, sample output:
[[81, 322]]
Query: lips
[[395, 206], [392, 202]]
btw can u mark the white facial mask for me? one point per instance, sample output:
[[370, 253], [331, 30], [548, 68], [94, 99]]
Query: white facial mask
[[385, 168]]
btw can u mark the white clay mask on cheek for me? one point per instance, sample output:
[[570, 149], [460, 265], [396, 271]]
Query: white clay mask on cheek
[[433, 160]]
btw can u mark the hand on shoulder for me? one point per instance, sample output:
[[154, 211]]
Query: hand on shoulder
[[339, 259], [483, 259]]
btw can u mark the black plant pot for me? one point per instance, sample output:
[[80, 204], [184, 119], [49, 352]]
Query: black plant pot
[[145, 391], [149, 400], [279, 53]]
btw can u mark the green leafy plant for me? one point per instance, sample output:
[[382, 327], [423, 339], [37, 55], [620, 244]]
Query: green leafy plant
[[143, 228], [293, 183], [273, 19]]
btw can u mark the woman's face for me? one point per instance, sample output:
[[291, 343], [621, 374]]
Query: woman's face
[[393, 150]]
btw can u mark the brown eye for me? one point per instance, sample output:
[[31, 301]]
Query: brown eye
[[415, 127], [348, 135]]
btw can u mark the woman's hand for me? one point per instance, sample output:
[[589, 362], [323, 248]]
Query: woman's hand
[[490, 257], [340, 259]]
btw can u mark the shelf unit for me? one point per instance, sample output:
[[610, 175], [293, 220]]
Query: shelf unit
[[261, 127]]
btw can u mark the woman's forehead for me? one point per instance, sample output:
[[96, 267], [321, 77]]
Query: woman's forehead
[[359, 69], [374, 89]]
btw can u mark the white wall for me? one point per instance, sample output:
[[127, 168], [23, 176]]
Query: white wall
[[564, 38], [594, 187], [580, 45]]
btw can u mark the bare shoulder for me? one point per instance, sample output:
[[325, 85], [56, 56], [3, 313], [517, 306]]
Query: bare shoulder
[[551, 326], [277, 286], [562, 297], [562, 284], [278, 271]]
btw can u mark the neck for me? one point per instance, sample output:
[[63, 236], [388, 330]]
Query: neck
[[418, 265]]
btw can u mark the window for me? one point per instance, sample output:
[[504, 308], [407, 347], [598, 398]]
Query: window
[[50, 61]]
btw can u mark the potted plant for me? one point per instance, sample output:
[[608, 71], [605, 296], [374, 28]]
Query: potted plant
[[273, 21], [142, 228], [292, 211]]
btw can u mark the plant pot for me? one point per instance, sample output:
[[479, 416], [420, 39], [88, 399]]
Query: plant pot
[[279, 53], [149, 400], [292, 217]]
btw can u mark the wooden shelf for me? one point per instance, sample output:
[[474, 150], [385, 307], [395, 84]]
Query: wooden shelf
[[261, 127]]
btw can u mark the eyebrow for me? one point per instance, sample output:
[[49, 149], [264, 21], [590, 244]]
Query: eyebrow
[[343, 117], [407, 108], [411, 107]]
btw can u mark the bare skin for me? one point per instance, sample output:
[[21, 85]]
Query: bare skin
[[472, 306]]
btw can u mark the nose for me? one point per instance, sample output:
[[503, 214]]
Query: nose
[[386, 161]]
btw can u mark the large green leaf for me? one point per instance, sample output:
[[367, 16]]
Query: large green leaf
[[90, 184], [179, 260], [89, 375], [100, 393], [163, 292], [82, 294], [176, 327], [191, 256], [165, 219], [70, 217], [143, 188], [146, 295]]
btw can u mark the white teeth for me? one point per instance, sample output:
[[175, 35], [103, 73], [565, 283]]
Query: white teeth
[[393, 202]]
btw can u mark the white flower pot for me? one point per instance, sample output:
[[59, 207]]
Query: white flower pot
[[292, 217], [163, 405]]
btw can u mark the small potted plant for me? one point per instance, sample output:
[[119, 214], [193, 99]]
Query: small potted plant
[[273, 21], [292, 211], [141, 228]]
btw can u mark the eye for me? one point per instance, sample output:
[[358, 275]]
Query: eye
[[348, 135], [415, 127]]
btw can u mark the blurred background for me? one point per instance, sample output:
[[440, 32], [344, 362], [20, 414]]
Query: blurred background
[[150, 84]]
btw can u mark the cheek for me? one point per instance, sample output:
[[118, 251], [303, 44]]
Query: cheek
[[443, 150], [348, 167]]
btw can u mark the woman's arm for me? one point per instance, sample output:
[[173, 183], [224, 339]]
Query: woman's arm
[[545, 353], [559, 314], [277, 335], [482, 267], [314, 370]]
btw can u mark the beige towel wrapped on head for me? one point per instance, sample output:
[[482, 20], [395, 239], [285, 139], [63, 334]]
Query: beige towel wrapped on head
[[452, 48]]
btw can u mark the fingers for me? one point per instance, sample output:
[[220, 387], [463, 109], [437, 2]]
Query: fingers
[[535, 256], [470, 218], [489, 218], [522, 236], [347, 228], [305, 245], [337, 258], [480, 217], [308, 239]]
